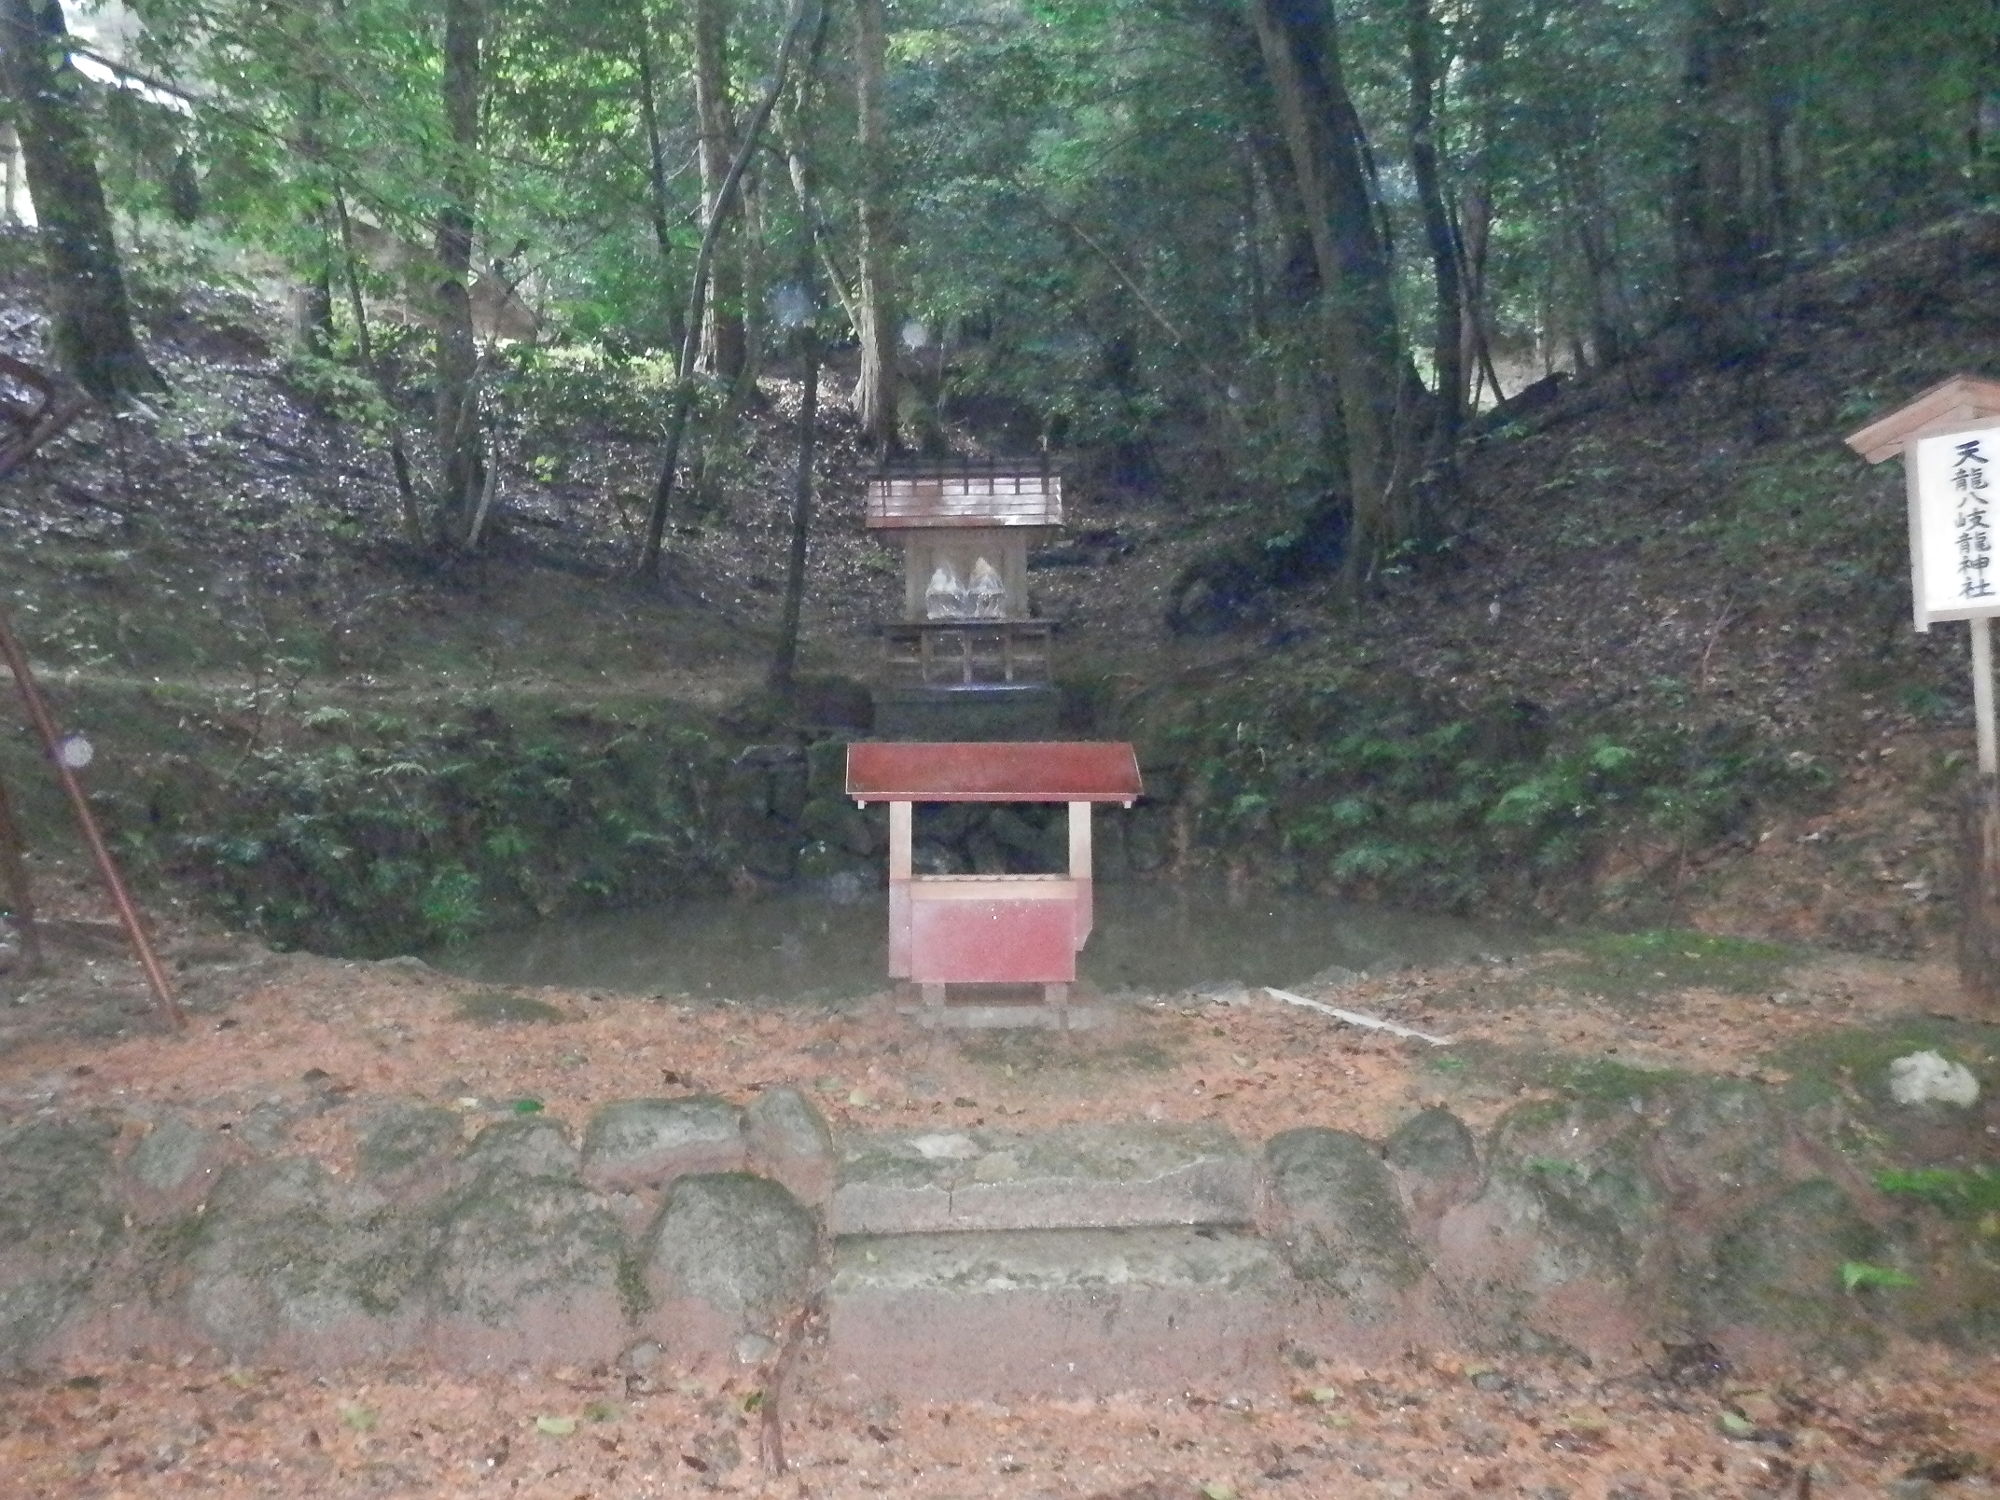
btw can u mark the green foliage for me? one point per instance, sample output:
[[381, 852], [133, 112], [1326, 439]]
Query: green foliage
[[563, 389], [1962, 1193], [374, 837], [1353, 782]]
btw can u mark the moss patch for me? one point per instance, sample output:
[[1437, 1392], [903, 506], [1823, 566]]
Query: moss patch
[[506, 1008], [1637, 964]]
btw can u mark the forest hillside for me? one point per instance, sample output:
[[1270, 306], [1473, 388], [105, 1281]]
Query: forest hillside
[[465, 522], [1661, 668]]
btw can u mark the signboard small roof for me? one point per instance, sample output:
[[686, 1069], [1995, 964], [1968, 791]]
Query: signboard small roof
[[992, 771], [1960, 402]]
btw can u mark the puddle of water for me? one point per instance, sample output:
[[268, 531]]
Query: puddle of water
[[1153, 938]]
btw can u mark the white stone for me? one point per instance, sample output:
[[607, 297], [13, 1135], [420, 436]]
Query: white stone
[[1926, 1078]]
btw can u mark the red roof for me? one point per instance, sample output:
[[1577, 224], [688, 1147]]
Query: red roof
[[992, 771]]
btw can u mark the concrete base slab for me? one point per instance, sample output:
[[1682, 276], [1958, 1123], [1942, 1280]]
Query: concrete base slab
[[1059, 1312], [1077, 1177], [999, 1017]]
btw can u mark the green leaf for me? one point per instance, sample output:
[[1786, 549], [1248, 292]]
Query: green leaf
[[556, 1426], [527, 1106], [356, 1416], [1857, 1274], [1216, 1489], [1733, 1425]]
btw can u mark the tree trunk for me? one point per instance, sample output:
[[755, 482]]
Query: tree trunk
[[658, 204], [1581, 199], [784, 664], [312, 298], [785, 661], [1718, 222], [1447, 319], [876, 394], [1982, 129], [1327, 147], [93, 336], [456, 410], [399, 455], [10, 173], [681, 402], [724, 352]]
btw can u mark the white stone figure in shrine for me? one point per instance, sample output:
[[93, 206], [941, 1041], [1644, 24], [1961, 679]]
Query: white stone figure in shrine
[[945, 599], [987, 593]]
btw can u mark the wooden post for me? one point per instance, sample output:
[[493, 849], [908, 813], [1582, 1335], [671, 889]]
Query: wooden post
[[1982, 693], [1979, 883]]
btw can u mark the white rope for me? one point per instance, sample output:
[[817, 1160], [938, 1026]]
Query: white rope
[[1356, 1018]]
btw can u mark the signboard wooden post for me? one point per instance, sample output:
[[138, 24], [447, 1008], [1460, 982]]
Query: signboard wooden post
[[1949, 441]]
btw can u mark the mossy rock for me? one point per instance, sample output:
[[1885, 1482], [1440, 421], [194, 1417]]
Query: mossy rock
[[405, 1141], [1578, 1174], [1778, 1266], [820, 863], [741, 1245], [1339, 1223], [59, 1225], [1855, 1060], [1433, 1144], [511, 1240], [634, 1143], [283, 1264], [826, 768], [530, 1147], [834, 820], [1725, 1134]]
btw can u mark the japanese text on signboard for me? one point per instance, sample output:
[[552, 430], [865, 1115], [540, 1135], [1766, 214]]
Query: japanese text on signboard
[[1956, 501], [1972, 532]]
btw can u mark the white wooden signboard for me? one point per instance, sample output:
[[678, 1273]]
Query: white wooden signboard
[[1954, 481]]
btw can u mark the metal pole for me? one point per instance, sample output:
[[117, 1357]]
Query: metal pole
[[45, 727], [1982, 695], [14, 874]]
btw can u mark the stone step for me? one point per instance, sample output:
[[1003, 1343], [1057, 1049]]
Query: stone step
[[1075, 1177], [989, 1316]]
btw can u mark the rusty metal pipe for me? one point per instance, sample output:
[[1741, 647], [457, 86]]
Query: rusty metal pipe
[[107, 868]]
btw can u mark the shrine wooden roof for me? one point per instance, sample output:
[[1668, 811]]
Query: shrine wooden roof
[[1960, 402], [992, 771], [965, 492]]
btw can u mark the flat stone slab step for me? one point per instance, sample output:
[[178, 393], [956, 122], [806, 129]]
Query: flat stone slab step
[[1037, 1016], [1076, 1177], [1053, 1312]]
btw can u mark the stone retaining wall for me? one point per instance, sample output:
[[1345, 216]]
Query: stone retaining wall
[[1711, 1210]]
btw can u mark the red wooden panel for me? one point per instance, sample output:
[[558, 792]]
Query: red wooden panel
[[997, 940], [983, 771]]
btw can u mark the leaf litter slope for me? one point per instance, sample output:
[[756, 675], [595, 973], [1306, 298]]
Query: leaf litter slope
[[1513, 1426]]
